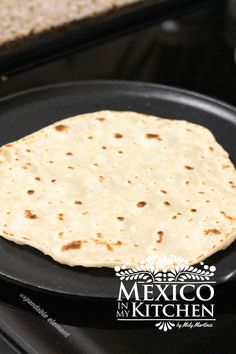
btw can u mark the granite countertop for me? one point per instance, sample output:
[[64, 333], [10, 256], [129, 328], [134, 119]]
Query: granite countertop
[[19, 19]]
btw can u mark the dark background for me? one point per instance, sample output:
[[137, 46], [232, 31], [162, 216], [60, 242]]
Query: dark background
[[194, 51]]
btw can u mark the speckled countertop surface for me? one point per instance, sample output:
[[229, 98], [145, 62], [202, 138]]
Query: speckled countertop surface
[[19, 19]]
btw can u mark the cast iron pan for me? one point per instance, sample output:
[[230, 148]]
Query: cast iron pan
[[29, 111]]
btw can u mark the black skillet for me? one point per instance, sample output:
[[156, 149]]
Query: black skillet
[[28, 111]]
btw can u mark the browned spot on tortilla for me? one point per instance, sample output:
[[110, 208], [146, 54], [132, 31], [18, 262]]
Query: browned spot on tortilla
[[211, 148], [26, 165], [104, 243], [120, 218], [135, 245], [153, 136], [78, 202], [53, 180], [228, 216], [50, 161], [96, 164], [109, 247], [166, 203], [226, 166], [107, 244], [85, 213], [162, 191], [69, 154], [101, 119], [188, 130], [37, 179], [141, 204], [28, 150], [90, 137], [8, 145], [60, 234], [61, 217], [187, 182], [70, 167], [8, 213], [212, 232], [201, 255], [31, 191], [15, 160], [101, 179], [62, 128], [193, 210], [201, 193], [174, 217], [188, 167], [118, 135], [120, 152], [104, 147], [232, 185], [207, 201], [161, 235], [74, 245], [30, 215], [99, 235], [129, 182]]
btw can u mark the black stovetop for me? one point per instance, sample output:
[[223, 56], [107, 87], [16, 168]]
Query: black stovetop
[[194, 52], [90, 327]]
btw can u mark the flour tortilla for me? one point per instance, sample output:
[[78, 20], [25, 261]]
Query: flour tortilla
[[111, 188]]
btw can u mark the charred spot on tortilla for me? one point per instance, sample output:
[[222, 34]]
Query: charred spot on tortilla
[[62, 128], [161, 235], [74, 245], [153, 136], [118, 135], [141, 204], [78, 202], [30, 215], [212, 232], [30, 191], [61, 217]]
